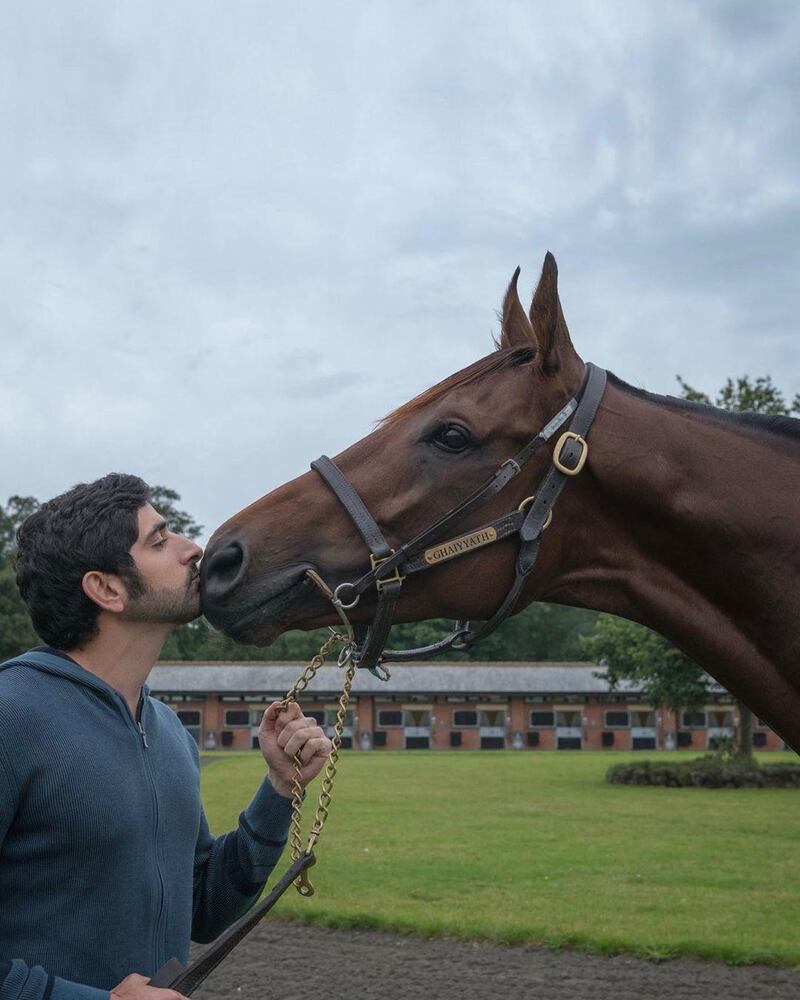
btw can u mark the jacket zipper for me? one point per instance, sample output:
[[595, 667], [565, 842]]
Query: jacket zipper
[[146, 761], [140, 730]]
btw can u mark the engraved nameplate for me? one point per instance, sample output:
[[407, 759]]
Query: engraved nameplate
[[458, 546]]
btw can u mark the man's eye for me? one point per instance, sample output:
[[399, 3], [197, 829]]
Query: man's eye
[[160, 543], [452, 438]]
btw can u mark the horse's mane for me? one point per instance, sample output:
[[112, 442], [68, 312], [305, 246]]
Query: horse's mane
[[495, 362], [766, 423], [504, 358]]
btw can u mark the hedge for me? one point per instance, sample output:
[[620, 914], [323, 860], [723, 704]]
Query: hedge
[[706, 772]]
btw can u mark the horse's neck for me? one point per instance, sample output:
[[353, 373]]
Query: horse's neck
[[688, 525]]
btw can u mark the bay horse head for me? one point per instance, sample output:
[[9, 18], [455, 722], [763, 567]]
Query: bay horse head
[[683, 517], [419, 463]]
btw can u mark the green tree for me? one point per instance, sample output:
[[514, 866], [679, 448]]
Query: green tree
[[16, 631], [745, 395], [540, 632], [11, 517], [631, 652], [165, 502]]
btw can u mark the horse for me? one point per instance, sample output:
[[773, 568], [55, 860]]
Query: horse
[[682, 518]]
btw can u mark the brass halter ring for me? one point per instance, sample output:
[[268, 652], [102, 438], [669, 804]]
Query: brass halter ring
[[527, 502]]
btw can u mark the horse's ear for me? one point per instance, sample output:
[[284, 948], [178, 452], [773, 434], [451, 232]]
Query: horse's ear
[[547, 320], [515, 327]]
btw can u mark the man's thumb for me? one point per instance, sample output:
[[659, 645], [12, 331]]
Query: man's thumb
[[271, 716]]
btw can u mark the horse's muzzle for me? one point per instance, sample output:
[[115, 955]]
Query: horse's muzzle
[[251, 606], [222, 570]]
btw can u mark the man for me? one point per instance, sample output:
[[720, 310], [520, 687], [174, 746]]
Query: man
[[107, 866]]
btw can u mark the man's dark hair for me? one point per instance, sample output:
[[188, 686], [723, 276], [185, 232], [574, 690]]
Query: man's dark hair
[[90, 527]]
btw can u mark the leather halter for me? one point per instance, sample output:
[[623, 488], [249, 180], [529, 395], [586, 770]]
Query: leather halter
[[389, 567]]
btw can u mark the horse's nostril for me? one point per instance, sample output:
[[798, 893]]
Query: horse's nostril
[[225, 568]]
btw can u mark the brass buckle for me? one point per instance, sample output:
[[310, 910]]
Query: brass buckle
[[394, 578], [566, 436], [528, 501]]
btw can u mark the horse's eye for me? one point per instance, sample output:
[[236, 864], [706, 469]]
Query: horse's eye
[[451, 437]]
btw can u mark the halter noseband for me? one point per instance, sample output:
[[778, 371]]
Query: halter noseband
[[389, 567]]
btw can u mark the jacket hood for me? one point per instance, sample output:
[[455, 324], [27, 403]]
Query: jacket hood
[[52, 663]]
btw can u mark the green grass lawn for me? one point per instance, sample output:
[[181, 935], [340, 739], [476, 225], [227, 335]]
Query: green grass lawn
[[536, 847]]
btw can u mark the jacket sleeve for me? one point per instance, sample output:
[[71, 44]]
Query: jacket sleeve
[[230, 871], [18, 981]]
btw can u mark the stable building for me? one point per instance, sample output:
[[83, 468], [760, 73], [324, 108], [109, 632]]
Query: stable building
[[447, 706]]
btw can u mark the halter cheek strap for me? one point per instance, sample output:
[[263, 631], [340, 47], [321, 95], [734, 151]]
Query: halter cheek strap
[[354, 505], [389, 567], [371, 641], [569, 457]]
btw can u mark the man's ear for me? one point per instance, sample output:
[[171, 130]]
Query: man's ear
[[547, 320], [106, 590], [515, 327]]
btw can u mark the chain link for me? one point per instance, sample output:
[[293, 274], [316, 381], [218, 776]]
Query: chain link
[[302, 884], [324, 802]]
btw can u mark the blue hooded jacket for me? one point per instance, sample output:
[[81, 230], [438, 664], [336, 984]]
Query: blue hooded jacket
[[107, 865]]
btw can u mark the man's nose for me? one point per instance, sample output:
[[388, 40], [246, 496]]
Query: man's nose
[[195, 553]]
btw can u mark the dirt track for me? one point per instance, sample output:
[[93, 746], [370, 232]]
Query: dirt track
[[290, 961]]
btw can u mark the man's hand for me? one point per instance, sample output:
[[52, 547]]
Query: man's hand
[[134, 987], [281, 736]]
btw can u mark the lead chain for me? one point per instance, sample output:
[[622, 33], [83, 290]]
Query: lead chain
[[301, 883]]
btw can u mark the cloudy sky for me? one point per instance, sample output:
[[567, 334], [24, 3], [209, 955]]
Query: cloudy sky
[[234, 234]]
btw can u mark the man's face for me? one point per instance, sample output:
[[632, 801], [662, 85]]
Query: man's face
[[167, 567]]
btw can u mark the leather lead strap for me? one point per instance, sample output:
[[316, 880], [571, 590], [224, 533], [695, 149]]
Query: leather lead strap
[[174, 976]]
